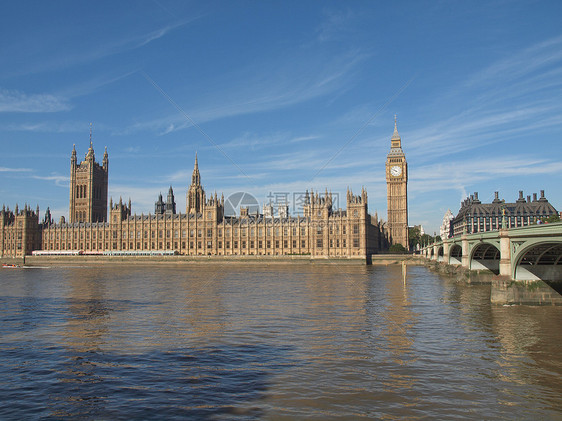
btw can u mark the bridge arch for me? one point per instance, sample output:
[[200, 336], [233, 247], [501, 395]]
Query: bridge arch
[[485, 256], [538, 260], [440, 253], [455, 254]]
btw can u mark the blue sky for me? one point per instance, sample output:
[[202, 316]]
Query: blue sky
[[285, 96]]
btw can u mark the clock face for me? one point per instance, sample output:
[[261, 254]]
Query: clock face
[[396, 171]]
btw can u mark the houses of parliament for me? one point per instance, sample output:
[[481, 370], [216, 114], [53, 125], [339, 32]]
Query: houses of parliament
[[322, 231]]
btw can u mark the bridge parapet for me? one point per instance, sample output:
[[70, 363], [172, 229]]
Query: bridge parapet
[[521, 251]]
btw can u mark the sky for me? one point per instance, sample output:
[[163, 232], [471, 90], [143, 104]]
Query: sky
[[280, 97]]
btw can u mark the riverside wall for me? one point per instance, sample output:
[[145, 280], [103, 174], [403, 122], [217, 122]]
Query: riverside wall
[[503, 290], [179, 260], [382, 259]]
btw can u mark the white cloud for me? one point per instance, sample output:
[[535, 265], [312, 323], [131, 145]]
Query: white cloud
[[48, 127], [100, 49], [456, 175], [284, 82], [522, 63], [513, 97], [60, 180], [334, 24], [299, 139], [5, 169], [16, 101]]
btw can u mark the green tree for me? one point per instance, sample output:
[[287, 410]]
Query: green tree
[[551, 219], [413, 237], [397, 248], [426, 239]]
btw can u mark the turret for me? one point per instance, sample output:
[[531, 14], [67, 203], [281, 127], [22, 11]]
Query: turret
[[196, 177], [170, 208], [48, 220], [105, 162], [73, 160], [195, 195], [90, 156]]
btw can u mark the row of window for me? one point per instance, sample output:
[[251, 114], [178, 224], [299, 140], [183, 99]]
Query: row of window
[[192, 233], [10, 235], [203, 244], [490, 224], [82, 192]]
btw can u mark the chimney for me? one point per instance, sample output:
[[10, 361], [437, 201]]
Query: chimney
[[520, 194], [475, 195], [528, 199], [542, 194], [534, 197]]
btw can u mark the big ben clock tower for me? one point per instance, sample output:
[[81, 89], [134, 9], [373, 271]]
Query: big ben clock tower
[[397, 190]]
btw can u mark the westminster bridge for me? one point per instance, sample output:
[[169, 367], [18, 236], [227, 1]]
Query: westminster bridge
[[526, 253]]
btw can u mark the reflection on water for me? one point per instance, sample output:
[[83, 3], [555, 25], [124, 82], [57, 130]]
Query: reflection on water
[[273, 342]]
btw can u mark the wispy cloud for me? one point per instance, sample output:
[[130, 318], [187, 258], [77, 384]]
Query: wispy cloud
[[458, 174], [47, 127], [137, 41], [513, 97], [159, 33], [335, 22], [17, 101], [255, 141], [300, 139], [59, 180], [5, 169], [472, 130], [28, 173], [102, 49], [286, 81], [521, 64], [93, 84]]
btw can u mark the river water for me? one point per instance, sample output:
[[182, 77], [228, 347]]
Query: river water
[[270, 342]]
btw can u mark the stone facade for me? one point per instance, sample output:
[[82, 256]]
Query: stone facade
[[88, 188], [445, 228], [204, 230], [397, 191], [20, 232]]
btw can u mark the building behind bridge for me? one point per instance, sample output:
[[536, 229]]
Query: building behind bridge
[[475, 216]]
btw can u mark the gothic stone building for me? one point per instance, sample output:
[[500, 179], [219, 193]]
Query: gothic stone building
[[202, 230]]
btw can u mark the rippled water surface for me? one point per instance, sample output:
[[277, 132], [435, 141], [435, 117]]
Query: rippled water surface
[[273, 342]]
